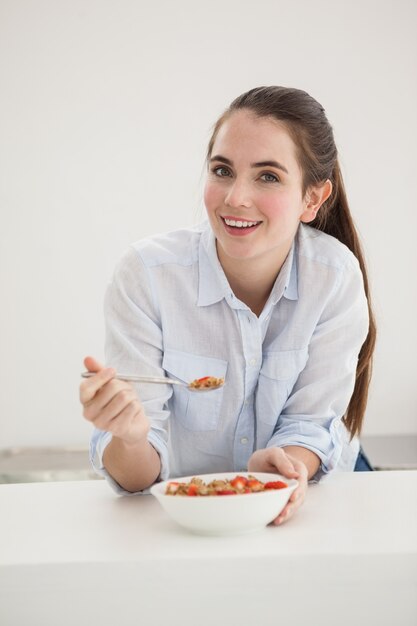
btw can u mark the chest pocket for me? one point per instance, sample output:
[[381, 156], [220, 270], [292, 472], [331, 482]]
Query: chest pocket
[[197, 411], [277, 377]]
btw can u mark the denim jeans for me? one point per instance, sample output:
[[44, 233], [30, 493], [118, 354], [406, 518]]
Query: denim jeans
[[362, 463]]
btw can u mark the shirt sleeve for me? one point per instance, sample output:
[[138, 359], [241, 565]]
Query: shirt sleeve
[[312, 415], [133, 345]]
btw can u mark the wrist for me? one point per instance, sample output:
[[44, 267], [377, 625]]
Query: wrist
[[133, 465], [130, 445], [134, 435], [309, 460]]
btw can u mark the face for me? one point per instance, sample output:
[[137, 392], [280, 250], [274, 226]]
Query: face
[[253, 193]]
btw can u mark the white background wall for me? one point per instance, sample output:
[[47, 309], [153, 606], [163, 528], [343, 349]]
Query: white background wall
[[105, 111]]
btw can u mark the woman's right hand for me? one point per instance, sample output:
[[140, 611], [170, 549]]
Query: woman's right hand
[[112, 405]]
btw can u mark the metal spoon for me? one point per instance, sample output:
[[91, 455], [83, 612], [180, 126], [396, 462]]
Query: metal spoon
[[160, 381]]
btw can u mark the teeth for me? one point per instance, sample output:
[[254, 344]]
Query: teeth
[[239, 223]]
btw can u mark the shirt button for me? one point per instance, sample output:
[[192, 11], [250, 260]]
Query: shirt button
[[252, 362], [244, 440]]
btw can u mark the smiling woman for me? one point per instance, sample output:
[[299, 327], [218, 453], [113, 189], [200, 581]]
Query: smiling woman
[[271, 295]]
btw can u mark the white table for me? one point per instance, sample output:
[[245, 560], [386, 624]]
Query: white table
[[73, 553]]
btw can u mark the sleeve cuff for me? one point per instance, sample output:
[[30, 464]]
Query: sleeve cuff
[[333, 446], [101, 440], [322, 471]]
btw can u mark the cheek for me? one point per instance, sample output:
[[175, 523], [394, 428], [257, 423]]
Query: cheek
[[281, 207], [211, 197], [274, 207]]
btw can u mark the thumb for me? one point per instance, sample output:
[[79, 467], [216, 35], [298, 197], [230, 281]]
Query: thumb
[[285, 465], [92, 364]]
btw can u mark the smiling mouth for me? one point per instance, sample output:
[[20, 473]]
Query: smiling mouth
[[240, 224]]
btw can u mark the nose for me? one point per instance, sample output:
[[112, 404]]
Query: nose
[[238, 195]]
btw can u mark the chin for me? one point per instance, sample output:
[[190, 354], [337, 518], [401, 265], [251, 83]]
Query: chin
[[237, 252]]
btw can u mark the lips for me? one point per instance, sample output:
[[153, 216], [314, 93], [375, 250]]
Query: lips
[[239, 226]]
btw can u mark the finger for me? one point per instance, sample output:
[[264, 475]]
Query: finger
[[282, 517], [296, 500], [284, 464], [106, 394], [302, 483], [117, 404], [92, 364], [295, 495], [287, 512], [124, 423], [90, 386]]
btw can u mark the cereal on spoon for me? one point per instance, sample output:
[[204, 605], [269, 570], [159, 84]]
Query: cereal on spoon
[[206, 382]]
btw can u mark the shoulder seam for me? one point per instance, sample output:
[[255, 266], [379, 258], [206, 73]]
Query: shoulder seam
[[155, 300]]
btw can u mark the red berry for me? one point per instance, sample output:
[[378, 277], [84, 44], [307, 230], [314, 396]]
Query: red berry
[[277, 484], [239, 482], [192, 490], [255, 485]]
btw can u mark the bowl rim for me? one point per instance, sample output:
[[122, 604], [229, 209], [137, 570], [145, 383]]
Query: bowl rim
[[158, 489]]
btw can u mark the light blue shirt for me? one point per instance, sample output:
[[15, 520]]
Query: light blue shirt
[[169, 310]]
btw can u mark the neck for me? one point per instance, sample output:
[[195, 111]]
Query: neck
[[252, 279]]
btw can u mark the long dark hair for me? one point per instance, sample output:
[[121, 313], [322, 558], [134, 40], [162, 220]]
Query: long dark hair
[[306, 121]]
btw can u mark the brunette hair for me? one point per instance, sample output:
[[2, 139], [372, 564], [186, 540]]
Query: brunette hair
[[306, 121]]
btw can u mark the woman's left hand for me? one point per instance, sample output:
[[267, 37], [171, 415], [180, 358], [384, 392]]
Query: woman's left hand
[[276, 460]]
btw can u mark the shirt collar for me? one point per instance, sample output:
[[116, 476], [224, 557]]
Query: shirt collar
[[286, 284], [214, 286]]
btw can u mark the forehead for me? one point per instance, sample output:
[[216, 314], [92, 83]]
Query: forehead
[[255, 138]]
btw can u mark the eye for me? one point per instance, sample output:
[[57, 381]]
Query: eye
[[221, 171], [269, 178]]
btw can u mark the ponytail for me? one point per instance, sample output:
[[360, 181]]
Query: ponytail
[[335, 219]]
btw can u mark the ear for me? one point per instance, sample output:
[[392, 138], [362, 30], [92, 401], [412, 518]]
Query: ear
[[314, 198]]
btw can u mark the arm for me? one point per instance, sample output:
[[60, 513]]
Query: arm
[[309, 434], [129, 458], [312, 415], [305, 456], [132, 456], [135, 467]]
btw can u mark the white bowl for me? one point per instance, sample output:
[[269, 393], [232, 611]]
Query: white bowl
[[225, 515]]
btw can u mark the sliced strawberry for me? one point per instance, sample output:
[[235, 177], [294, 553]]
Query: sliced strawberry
[[239, 482], [277, 484], [255, 485], [192, 490], [226, 492]]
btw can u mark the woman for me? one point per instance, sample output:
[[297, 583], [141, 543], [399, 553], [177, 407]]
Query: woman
[[272, 295]]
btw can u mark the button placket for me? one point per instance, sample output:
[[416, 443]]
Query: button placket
[[251, 333]]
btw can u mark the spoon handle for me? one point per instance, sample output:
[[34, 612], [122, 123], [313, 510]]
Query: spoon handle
[[141, 379]]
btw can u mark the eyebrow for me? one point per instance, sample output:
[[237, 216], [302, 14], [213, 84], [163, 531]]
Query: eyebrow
[[278, 166]]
